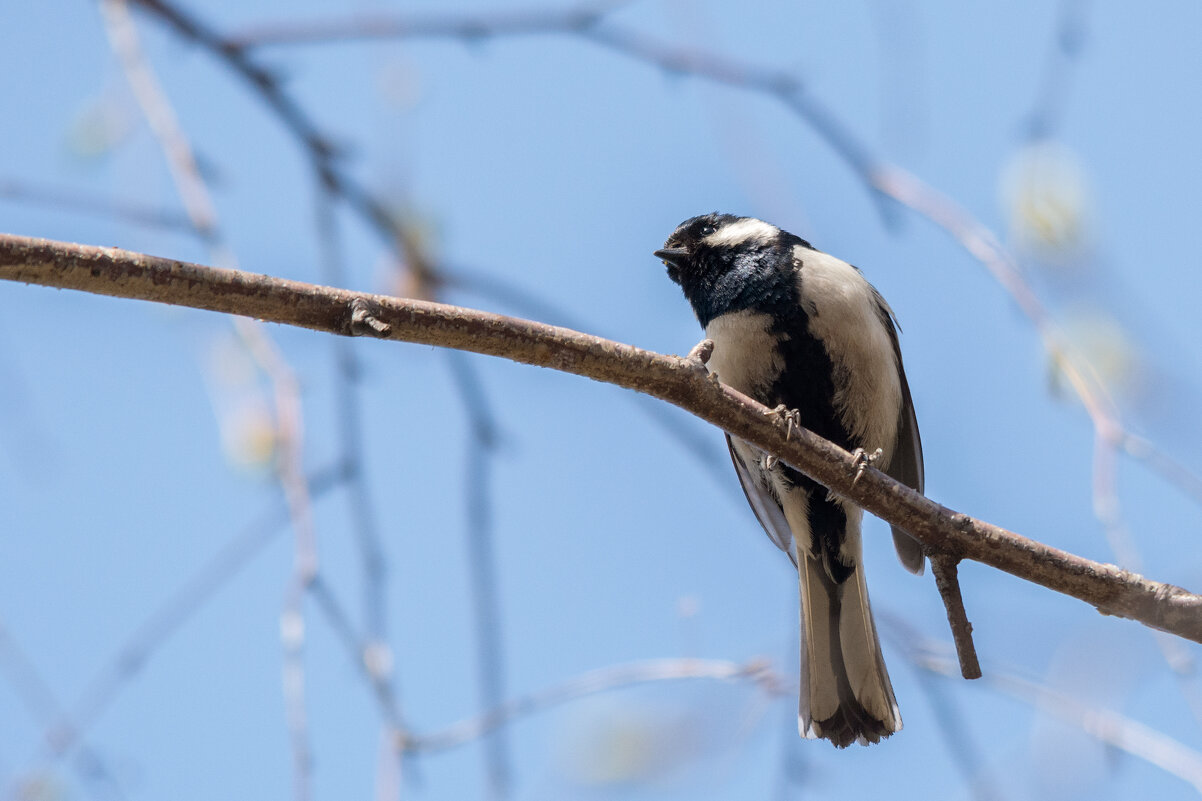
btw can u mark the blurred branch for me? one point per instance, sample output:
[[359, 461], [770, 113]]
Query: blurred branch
[[585, 22], [1110, 437], [470, 27], [110, 271], [327, 160], [31, 688], [1071, 30], [177, 609], [482, 565], [368, 661], [324, 157], [289, 470], [1107, 726], [289, 422], [376, 658], [591, 683], [886, 181], [1108, 512], [353, 443], [88, 203]]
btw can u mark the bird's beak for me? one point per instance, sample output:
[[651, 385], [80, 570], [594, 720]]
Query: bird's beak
[[673, 256]]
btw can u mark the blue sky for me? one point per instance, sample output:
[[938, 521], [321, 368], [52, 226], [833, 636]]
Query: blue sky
[[558, 166]]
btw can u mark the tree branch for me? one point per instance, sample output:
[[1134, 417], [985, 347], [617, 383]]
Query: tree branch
[[110, 271]]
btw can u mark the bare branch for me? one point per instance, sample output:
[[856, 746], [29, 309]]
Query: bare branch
[[110, 271]]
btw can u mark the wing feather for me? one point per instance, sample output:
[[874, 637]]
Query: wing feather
[[762, 501], [905, 465]]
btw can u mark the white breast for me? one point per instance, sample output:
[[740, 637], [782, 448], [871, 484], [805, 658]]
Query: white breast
[[745, 355], [843, 313]]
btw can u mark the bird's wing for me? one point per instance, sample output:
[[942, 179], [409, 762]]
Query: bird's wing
[[760, 498], [905, 465]]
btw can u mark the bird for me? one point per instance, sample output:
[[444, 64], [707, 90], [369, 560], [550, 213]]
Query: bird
[[804, 332]]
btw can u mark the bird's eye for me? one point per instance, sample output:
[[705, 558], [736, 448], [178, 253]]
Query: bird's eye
[[707, 229]]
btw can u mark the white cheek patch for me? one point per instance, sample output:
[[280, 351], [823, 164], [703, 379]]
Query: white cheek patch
[[843, 313], [747, 231]]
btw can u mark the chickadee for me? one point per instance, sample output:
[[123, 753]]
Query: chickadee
[[792, 325]]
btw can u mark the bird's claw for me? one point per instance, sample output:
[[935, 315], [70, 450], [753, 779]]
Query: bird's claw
[[862, 459], [792, 418]]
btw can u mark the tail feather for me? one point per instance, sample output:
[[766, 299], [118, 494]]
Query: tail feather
[[845, 694]]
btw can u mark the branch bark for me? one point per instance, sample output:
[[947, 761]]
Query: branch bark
[[682, 382]]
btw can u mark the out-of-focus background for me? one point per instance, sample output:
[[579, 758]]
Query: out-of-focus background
[[487, 532]]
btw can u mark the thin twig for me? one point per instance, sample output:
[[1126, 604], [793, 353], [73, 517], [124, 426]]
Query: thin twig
[[951, 724], [198, 203], [1105, 725], [178, 608], [507, 23], [758, 673], [353, 644], [323, 155], [947, 580], [290, 474], [482, 566], [1107, 510], [1113, 728], [110, 271], [1066, 48], [376, 660], [586, 23], [31, 688], [86, 203]]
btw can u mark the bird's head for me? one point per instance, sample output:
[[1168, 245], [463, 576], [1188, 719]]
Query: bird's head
[[721, 260]]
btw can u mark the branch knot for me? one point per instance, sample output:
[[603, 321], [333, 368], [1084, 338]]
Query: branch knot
[[366, 324]]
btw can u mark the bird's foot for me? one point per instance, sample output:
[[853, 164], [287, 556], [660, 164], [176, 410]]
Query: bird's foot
[[862, 459], [792, 418]]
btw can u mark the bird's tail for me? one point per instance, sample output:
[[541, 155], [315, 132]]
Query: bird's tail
[[845, 691]]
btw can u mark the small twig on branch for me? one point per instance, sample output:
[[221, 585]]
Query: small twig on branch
[[110, 271], [948, 581]]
